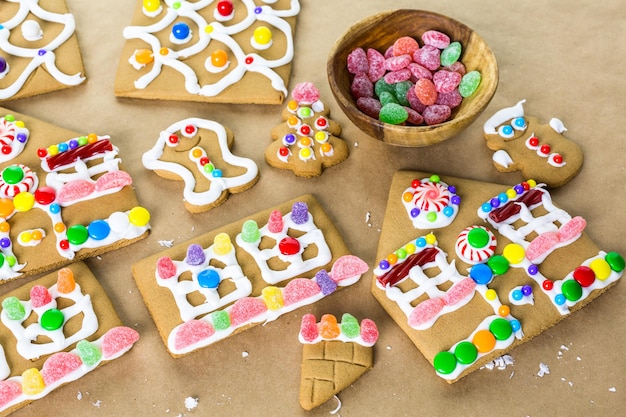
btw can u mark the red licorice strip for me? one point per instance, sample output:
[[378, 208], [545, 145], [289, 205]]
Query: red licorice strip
[[82, 152], [396, 274], [511, 208]]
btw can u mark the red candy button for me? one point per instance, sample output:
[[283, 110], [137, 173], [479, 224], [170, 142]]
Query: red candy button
[[289, 246], [45, 195], [584, 276]]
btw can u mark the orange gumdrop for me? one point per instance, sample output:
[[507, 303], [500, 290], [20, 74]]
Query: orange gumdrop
[[65, 281], [484, 341], [328, 327]]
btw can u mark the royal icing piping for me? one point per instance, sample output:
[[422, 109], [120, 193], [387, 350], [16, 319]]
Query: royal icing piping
[[431, 203], [39, 56], [13, 138], [174, 58], [219, 183]]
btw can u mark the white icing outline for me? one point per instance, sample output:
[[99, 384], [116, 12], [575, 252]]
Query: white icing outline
[[421, 221]]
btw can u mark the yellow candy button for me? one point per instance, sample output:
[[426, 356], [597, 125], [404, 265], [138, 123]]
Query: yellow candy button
[[513, 253], [139, 216], [601, 268], [24, 201]]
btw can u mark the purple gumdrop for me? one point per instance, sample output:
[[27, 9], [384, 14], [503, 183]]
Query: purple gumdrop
[[326, 283], [195, 255], [300, 212]]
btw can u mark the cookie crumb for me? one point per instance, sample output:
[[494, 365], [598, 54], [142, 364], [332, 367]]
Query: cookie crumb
[[612, 389], [79, 396], [244, 354], [543, 370], [166, 243], [191, 403]]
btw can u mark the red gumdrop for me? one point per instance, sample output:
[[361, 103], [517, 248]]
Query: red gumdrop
[[446, 81], [425, 91], [457, 66], [405, 45], [425, 312], [75, 190], [118, 340], [348, 266], [414, 101], [165, 267], [59, 365], [362, 86], [376, 62], [369, 106], [299, 289], [452, 99], [419, 71], [414, 117], [115, 179], [428, 56], [396, 63], [9, 390], [435, 114], [308, 328], [394, 77], [192, 332], [369, 331], [246, 309], [39, 296], [435, 38], [357, 62], [459, 291]]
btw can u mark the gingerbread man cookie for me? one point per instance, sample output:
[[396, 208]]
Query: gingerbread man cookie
[[197, 152], [539, 151]]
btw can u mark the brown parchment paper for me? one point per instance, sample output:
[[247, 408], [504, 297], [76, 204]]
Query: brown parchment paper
[[561, 56]]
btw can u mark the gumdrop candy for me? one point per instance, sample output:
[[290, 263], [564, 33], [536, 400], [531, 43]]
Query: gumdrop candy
[[393, 113], [457, 66], [398, 76], [402, 88], [425, 311], [414, 117], [308, 328], [165, 267], [396, 63], [451, 54], [192, 332], [426, 91], [245, 309], [326, 283], [250, 232], [446, 81], [387, 97], [369, 106], [275, 222], [428, 56], [118, 340], [452, 99], [39, 296], [541, 245], [362, 86], [348, 266], [88, 353], [358, 62], [195, 255], [405, 45], [305, 93], [459, 291], [300, 212], [376, 62], [59, 365], [222, 244], [9, 390], [572, 229], [435, 114], [435, 38], [328, 327], [299, 289], [75, 190], [350, 326], [65, 281], [414, 101], [469, 83], [13, 308], [273, 297], [111, 180], [32, 382], [369, 331], [220, 320], [419, 71]]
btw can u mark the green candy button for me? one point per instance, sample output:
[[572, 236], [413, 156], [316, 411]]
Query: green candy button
[[572, 290], [444, 362], [615, 261], [13, 174], [478, 237], [77, 234], [465, 353], [501, 329], [498, 264], [52, 319]]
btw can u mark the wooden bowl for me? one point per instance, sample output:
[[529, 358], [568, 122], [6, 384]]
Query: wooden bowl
[[379, 32]]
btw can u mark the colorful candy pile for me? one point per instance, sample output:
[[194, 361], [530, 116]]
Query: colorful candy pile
[[348, 330], [409, 84]]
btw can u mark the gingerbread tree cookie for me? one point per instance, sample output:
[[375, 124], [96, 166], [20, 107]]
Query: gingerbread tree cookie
[[308, 140]]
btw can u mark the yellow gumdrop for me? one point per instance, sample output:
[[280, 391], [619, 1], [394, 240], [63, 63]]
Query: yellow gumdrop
[[262, 35], [601, 268], [139, 216], [514, 253], [24, 201], [32, 382], [222, 244], [273, 297], [431, 239], [151, 5], [144, 56]]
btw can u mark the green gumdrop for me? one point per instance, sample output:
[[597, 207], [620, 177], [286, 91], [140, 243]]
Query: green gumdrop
[[13, 308], [387, 97], [220, 320], [393, 113], [350, 326], [88, 353], [250, 231], [451, 54], [469, 83], [381, 85], [402, 88]]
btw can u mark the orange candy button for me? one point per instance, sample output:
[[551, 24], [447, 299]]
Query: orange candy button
[[484, 341]]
